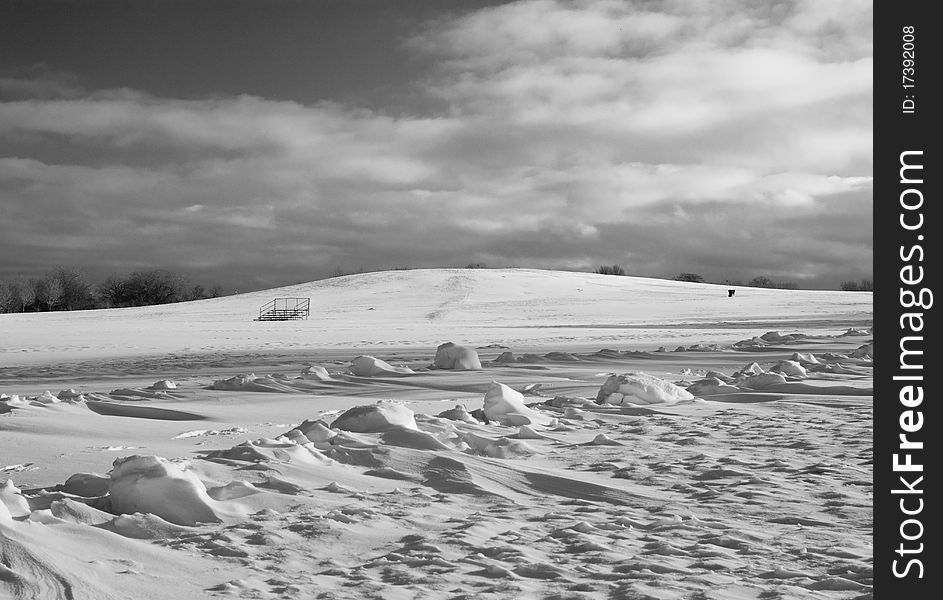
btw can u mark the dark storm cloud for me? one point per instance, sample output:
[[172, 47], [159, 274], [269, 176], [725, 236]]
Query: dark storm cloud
[[721, 138]]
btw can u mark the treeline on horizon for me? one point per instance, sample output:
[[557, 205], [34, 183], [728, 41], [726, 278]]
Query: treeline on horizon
[[67, 289], [864, 285]]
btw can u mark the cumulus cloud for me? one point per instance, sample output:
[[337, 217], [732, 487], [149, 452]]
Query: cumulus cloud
[[730, 137]]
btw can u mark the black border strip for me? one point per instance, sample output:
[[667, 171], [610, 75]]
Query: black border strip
[[907, 270]]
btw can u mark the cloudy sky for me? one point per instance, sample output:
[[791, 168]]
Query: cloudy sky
[[258, 143]]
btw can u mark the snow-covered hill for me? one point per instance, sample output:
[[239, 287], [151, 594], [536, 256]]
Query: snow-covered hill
[[427, 307]]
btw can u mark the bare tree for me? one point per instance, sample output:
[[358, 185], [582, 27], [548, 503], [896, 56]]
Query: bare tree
[[111, 291], [47, 292], [20, 295], [197, 293], [610, 270], [164, 286], [762, 281], [156, 286], [76, 293], [765, 282], [865, 285]]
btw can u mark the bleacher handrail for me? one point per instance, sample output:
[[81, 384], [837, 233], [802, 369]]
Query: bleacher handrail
[[285, 308]]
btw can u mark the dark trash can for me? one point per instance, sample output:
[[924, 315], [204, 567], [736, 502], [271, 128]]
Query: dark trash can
[[730, 293]]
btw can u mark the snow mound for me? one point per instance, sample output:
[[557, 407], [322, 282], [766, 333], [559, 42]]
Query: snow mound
[[46, 397], [603, 440], [762, 381], [805, 358], [711, 386], [754, 342], [71, 511], [151, 484], [855, 331], [235, 383], [313, 431], [451, 356], [720, 376], [459, 413], [233, 489], [495, 448], [640, 388], [413, 438], [145, 526], [86, 484], [505, 357], [528, 433], [561, 356], [70, 395], [368, 366], [253, 383], [789, 368], [752, 369], [316, 373], [506, 406], [778, 338], [15, 400], [376, 418], [12, 502]]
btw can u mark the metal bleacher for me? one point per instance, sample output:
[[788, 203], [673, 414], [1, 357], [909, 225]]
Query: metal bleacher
[[285, 309]]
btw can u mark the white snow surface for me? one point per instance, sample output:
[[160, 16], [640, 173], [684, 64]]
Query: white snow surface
[[245, 471]]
